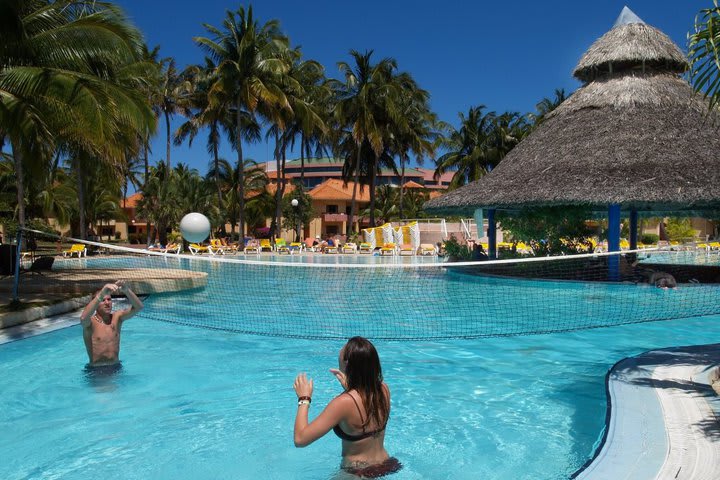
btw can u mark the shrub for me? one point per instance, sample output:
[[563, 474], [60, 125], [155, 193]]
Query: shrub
[[456, 252], [649, 238]]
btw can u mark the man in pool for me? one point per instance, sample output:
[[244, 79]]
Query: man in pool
[[101, 326]]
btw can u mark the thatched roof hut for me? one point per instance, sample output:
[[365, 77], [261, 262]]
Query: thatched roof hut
[[634, 134]]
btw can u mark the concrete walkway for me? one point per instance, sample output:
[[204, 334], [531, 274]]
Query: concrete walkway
[[663, 417]]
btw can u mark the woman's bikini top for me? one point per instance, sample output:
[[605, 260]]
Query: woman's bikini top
[[355, 438]]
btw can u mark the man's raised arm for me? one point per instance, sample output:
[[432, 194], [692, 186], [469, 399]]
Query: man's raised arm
[[136, 304]]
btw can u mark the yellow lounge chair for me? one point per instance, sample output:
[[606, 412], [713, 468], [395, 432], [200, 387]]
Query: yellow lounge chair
[[253, 246], [406, 249], [349, 247], [197, 249], [296, 247], [388, 249], [76, 249], [333, 249], [365, 248], [229, 247], [427, 250], [265, 244]]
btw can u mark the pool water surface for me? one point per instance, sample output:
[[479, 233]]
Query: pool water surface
[[195, 403]]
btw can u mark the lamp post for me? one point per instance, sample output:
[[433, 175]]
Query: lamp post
[[294, 202]]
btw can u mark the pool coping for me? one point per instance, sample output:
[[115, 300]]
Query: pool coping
[[31, 328], [662, 417]]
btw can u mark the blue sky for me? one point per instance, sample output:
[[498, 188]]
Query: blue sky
[[505, 55]]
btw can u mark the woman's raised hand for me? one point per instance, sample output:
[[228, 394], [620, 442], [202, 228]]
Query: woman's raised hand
[[303, 386], [340, 377]]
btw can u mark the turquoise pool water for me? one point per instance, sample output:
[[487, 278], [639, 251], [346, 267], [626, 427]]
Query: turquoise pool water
[[196, 403], [193, 403]]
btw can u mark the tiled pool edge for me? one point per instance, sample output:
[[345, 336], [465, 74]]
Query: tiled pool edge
[[644, 397], [38, 327]]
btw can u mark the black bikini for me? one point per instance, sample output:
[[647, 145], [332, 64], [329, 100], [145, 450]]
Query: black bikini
[[355, 438]]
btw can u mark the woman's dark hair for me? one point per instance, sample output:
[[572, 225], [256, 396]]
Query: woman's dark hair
[[364, 374]]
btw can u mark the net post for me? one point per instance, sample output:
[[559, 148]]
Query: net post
[[16, 281], [614, 242], [492, 234], [633, 229]]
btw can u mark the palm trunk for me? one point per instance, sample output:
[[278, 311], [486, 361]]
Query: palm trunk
[[402, 186], [216, 158], [302, 186], [20, 184], [241, 173], [274, 230], [354, 195], [81, 199], [148, 224], [167, 146], [372, 192]]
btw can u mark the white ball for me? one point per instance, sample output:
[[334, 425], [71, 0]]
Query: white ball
[[195, 227], [294, 202]]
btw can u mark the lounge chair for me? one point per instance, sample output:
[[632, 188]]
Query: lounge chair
[[349, 247], [388, 249], [281, 246], [365, 248], [265, 244], [216, 247], [427, 249], [406, 249], [296, 247], [332, 249], [197, 249], [230, 247], [253, 246], [76, 249], [41, 264]]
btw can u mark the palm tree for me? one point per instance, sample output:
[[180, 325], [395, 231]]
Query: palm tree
[[176, 89], [61, 64], [417, 133], [216, 117], [547, 105], [467, 148], [247, 78], [362, 109], [704, 53]]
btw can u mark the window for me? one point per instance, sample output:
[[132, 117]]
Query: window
[[332, 209]]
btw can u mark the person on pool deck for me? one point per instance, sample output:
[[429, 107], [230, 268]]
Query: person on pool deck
[[101, 326], [358, 415]]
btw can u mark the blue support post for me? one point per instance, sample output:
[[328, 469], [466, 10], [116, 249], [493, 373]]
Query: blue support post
[[633, 229], [614, 242], [492, 234]]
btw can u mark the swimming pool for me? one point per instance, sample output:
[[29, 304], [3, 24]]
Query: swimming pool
[[192, 403], [197, 403]]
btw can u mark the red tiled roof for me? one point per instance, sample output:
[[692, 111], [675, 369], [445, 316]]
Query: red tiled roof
[[334, 189], [132, 200], [429, 175], [412, 184]]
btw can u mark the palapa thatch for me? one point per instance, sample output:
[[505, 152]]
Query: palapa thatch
[[635, 134]]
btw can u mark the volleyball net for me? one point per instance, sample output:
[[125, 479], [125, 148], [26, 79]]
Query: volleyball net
[[392, 297]]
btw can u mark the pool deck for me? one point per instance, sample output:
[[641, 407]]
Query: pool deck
[[663, 417], [60, 291]]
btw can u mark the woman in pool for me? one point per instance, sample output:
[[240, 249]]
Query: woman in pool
[[358, 415]]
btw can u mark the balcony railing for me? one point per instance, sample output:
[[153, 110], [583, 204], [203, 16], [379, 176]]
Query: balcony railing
[[335, 217]]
